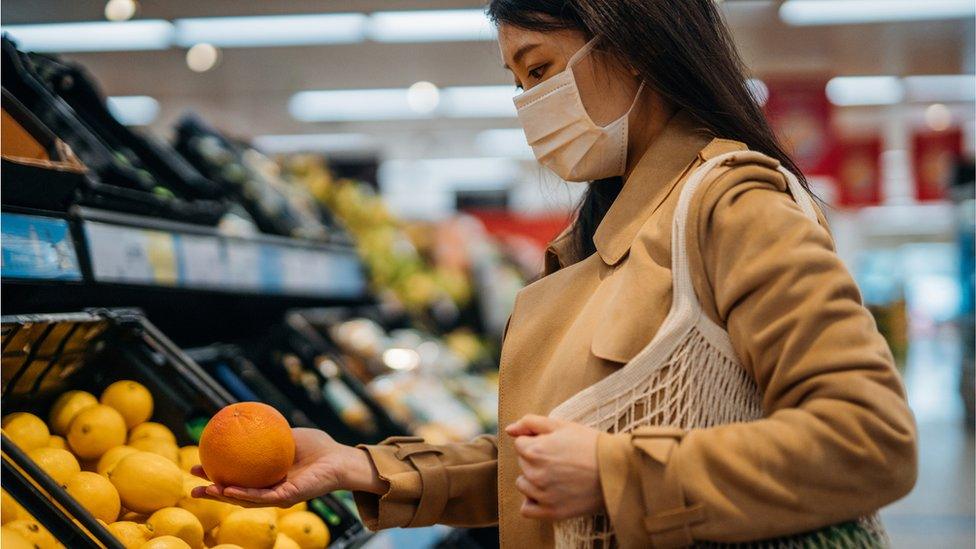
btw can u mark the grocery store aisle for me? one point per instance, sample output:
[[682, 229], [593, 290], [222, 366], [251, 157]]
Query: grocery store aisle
[[939, 513]]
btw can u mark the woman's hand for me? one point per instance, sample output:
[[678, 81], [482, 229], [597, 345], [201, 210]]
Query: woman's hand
[[560, 478], [322, 465]]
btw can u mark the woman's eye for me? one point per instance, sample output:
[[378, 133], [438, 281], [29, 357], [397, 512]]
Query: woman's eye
[[538, 72]]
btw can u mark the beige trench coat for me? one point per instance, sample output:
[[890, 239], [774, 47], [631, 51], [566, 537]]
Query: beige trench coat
[[837, 440]]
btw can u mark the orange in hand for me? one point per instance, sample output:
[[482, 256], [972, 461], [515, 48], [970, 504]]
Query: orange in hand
[[247, 444]]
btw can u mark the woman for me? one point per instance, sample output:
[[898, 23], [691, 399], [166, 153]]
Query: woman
[[696, 364]]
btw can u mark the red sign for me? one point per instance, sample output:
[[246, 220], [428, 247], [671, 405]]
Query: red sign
[[800, 115], [540, 228], [935, 155], [859, 172]]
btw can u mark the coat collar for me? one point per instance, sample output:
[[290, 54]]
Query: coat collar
[[662, 165], [655, 174]]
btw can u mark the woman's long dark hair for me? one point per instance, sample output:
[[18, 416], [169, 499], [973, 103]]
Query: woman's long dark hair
[[685, 53]]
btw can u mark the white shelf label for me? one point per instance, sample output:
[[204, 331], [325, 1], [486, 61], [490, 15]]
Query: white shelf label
[[203, 261]]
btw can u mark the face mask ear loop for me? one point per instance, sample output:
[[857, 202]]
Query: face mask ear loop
[[587, 47], [636, 97]]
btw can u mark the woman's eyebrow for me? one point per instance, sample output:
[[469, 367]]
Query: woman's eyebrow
[[521, 52]]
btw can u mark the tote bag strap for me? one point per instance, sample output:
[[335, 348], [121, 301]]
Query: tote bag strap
[[684, 300]]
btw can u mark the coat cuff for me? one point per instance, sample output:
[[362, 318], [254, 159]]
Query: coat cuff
[[638, 472], [418, 487]]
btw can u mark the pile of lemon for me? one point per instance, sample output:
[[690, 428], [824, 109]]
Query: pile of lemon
[[131, 475]]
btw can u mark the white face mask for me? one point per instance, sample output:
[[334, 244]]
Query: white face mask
[[563, 136]]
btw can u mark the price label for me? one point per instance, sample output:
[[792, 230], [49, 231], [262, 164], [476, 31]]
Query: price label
[[37, 247], [203, 261], [243, 261], [119, 254], [161, 253]]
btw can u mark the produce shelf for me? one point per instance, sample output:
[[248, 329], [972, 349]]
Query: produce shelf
[[45, 355], [88, 257]]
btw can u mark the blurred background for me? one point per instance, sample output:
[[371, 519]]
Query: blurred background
[[360, 162]]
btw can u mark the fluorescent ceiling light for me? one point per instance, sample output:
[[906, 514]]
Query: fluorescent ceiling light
[[348, 105], [256, 31], [320, 142], [942, 88], [430, 26], [133, 110], [394, 104], [503, 142], [145, 34], [478, 102], [839, 12], [746, 5], [848, 91], [272, 30]]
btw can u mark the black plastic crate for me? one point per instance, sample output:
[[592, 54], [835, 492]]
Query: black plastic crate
[[44, 355], [257, 373]]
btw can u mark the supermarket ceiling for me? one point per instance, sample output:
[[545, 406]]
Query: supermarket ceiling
[[252, 90]]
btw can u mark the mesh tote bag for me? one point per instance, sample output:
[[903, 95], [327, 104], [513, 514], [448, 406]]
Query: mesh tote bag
[[688, 377]]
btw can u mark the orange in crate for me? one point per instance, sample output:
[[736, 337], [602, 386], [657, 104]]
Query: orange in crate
[[247, 444]]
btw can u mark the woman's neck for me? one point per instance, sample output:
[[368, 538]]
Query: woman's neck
[[647, 121]]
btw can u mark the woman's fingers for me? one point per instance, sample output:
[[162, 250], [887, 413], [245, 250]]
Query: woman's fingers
[[532, 424], [198, 471], [530, 490], [256, 495], [246, 497], [214, 492], [533, 510], [249, 494], [522, 444]]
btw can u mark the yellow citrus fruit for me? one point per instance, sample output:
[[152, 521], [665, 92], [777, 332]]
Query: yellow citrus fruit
[[66, 407], [226, 546], [209, 512], [9, 508], [96, 494], [158, 446], [131, 534], [306, 528], [35, 534], [249, 528], [26, 430], [173, 521], [147, 482], [165, 542], [131, 399], [11, 539], [58, 464], [271, 511], [189, 456], [151, 429], [285, 542], [210, 538], [57, 442], [96, 430], [88, 464], [302, 506], [133, 516], [112, 457]]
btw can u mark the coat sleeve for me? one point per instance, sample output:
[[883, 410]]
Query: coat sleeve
[[837, 440], [453, 484]]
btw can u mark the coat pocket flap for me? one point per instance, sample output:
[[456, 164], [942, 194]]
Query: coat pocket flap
[[631, 313]]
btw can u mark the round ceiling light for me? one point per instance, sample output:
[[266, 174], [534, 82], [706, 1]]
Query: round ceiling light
[[938, 117], [423, 97], [202, 57], [120, 10]]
